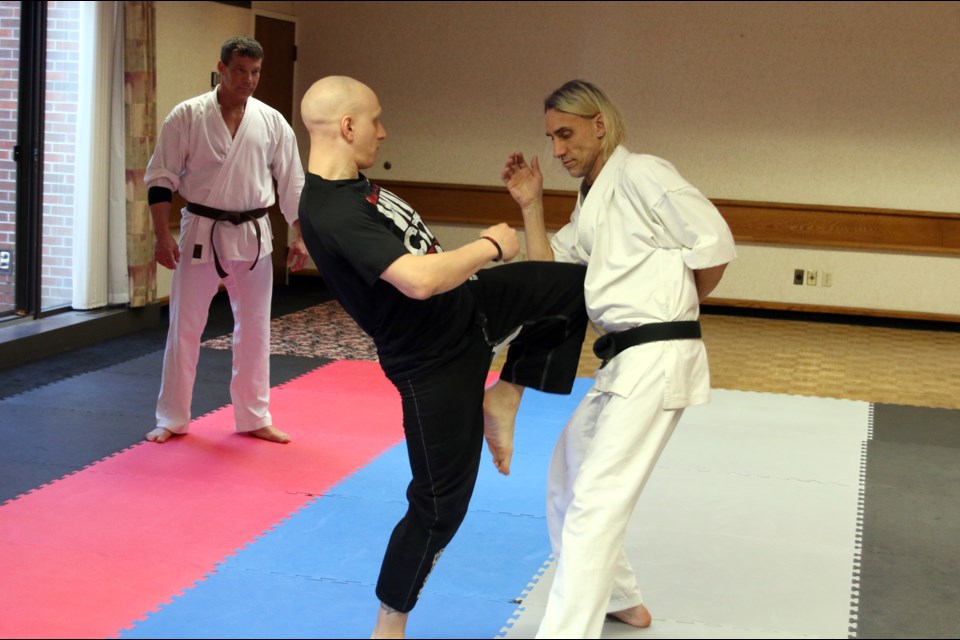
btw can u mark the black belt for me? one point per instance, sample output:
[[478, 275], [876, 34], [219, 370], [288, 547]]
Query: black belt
[[234, 217], [609, 345]]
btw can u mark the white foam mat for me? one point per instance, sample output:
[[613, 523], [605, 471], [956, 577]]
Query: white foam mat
[[748, 527]]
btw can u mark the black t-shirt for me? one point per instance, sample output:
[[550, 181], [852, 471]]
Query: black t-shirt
[[354, 230]]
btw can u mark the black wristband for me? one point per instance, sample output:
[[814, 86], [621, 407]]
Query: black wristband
[[497, 245]]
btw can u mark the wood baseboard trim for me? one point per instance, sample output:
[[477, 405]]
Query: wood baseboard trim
[[790, 307]]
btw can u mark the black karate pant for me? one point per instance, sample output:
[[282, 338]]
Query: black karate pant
[[443, 408]]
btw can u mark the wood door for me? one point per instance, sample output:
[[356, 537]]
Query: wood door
[[278, 38]]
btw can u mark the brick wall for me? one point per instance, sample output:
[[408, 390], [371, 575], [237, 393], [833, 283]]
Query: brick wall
[[9, 74]]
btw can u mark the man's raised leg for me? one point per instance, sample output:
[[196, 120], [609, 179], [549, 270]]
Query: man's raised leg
[[538, 308]]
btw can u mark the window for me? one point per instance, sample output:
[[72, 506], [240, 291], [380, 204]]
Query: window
[[36, 237]]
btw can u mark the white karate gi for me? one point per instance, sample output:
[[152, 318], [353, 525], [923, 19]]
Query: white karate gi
[[197, 156], [642, 230]]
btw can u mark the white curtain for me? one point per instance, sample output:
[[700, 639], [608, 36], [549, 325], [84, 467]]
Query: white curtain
[[99, 247]]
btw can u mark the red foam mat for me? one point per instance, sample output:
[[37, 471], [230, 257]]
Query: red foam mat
[[88, 554]]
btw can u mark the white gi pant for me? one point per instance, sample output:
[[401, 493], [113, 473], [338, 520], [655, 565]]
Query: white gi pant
[[600, 464], [251, 292]]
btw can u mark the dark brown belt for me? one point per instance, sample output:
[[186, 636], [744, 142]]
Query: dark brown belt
[[233, 217], [609, 345]]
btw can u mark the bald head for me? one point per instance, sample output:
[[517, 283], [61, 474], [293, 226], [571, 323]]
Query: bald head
[[332, 98], [342, 116]]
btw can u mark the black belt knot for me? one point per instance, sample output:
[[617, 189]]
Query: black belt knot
[[233, 217], [609, 345]]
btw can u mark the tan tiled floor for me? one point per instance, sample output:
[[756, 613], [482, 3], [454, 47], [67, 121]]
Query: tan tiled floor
[[874, 364]]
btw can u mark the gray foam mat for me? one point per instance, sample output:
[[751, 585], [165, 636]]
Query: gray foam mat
[[909, 578], [66, 425]]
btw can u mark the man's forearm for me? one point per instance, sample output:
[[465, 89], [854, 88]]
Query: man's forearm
[[535, 233], [707, 280], [160, 212], [421, 277]]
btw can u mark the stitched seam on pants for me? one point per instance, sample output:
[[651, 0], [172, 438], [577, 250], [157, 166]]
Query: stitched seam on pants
[[546, 370], [436, 513]]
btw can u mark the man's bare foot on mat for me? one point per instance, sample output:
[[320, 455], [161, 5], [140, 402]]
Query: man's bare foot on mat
[[160, 434], [271, 434], [637, 616]]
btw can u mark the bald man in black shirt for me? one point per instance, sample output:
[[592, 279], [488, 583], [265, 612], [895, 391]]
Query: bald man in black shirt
[[436, 318]]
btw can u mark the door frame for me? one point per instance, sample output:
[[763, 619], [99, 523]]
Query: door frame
[[281, 231]]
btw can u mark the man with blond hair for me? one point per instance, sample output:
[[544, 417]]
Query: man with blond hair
[[654, 247]]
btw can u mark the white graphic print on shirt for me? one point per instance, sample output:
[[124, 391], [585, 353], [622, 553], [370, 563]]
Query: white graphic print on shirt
[[417, 238]]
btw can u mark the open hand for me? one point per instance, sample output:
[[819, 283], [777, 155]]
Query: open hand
[[523, 181]]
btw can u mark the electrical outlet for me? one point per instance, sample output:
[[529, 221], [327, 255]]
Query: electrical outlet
[[812, 278], [798, 276], [827, 279]]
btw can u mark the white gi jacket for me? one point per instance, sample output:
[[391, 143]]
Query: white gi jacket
[[642, 230], [197, 156]]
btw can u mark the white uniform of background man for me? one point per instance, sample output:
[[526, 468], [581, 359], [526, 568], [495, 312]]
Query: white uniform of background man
[[222, 151], [654, 247]]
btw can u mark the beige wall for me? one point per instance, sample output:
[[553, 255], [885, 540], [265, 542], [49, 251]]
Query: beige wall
[[841, 103], [189, 35]]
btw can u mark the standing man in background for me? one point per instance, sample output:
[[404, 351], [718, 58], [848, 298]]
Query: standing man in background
[[654, 247], [222, 151]]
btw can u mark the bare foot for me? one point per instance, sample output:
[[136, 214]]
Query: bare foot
[[271, 434], [160, 434], [500, 404], [637, 616], [390, 623]]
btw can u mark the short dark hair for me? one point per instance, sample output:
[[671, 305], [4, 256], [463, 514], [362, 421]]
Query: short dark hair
[[241, 46]]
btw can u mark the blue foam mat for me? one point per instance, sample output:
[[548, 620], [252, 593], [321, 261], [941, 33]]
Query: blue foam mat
[[314, 575]]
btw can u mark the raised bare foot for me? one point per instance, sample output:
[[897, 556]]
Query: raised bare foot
[[271, 434], [500, 404], [637, 616], [160, 434]]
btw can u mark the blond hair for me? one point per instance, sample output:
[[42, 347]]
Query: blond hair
[[584, 99]]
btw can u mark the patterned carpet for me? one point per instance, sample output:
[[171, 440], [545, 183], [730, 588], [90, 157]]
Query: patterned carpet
[[324, 330]]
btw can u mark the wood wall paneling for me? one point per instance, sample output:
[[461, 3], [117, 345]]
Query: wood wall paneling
[[762, 223], [798, 225]]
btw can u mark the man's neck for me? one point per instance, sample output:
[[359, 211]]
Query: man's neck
[[230, 102], [329, 166]]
